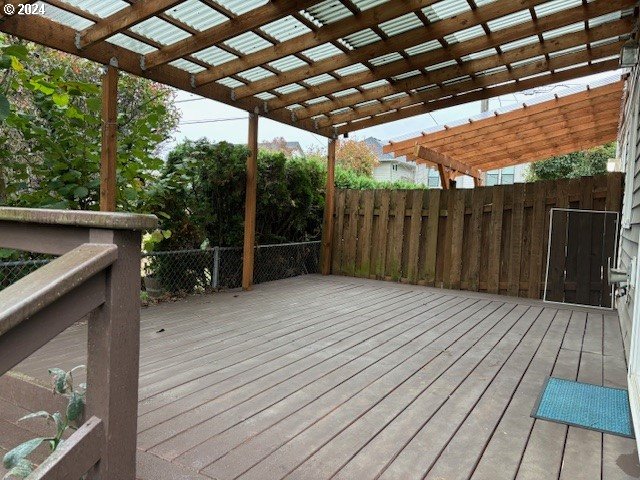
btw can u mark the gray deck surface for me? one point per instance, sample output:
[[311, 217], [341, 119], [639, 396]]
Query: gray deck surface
[[335, 377]]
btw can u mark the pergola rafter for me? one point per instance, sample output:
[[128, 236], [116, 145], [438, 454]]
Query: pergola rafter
[[532, 132], [346, 66]]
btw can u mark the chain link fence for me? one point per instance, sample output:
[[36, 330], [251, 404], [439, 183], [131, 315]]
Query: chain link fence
[[200, 271]]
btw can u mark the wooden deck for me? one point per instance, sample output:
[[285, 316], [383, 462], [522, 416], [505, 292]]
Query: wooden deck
[[335, 377]]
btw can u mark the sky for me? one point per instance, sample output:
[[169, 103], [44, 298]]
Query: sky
[[218, 121]]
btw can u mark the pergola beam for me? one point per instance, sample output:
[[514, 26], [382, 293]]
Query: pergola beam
[[466, 97], [438, 76], [235, 26], [121, 20], [472, 83], [432, 156]]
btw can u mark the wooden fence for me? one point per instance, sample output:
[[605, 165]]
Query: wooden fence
[[491, 239]]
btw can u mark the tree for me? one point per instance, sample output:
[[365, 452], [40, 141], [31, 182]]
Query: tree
[[50, 138], [577, 164], [356, 155]]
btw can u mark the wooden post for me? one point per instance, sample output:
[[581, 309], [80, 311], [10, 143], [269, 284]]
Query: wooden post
[[108, 160], [113, 350], [329, 206], [250, 205]]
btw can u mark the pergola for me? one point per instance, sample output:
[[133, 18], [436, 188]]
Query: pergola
[[330, 67], [528, 133]]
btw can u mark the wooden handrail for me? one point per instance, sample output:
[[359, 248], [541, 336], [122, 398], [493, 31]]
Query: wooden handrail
[[44, 286], [98, 274]]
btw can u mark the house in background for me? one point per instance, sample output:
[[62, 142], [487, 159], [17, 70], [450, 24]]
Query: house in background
[[290, 149]]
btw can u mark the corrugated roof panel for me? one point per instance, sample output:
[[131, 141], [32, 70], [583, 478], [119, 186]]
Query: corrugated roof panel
[[571, 67], [423, 47], [287, 63], [438, 66], [555, 6], [317, 80], [508, 21], [327, 12], [338, 111], [578, 48], [214, 56], [491, 71], [230, 82], [445, 9], [527, 61], [384, 59], [197, 15], [466, 34], [65, 18], [316, 100], [604, 59], [362, 38], [404, 75], [602, 19], [238, 7], [248, 42], [395, 95], [367, 4], [255, 73], [285, 29], [132, 44], [160, 31], [523, 42], [187, 66], [367, 103], [351, 69], [322, 52], [286, 89], [343, 93], [426, 88], [99, 8], [266, 96], [293, 107], [377, 83], [558, 32], [478, 55], [401, 24], [608, 41], [453, 81]]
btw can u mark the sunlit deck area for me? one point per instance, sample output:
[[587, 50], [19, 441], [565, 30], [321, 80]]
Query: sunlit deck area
[[333, 377]]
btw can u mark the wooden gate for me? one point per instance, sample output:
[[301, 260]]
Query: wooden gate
[[491, 239], [582, 243]]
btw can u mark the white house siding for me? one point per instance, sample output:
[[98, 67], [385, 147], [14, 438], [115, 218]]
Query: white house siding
[[629, 154]]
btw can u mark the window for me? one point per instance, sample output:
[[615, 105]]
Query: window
[[394, 167], [433, 180], [493, 178], [508, 175]]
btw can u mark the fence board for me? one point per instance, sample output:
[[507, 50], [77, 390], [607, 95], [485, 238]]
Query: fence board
[[490, 239]]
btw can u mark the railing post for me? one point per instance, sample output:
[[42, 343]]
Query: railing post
[[215, 277], [113, 357]]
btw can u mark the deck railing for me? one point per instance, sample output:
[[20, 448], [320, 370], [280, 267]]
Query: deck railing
[[97, 275]]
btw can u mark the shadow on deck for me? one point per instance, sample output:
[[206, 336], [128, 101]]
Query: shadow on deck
[[334, 377]]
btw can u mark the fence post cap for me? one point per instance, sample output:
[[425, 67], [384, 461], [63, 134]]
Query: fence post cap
[[79, 218]]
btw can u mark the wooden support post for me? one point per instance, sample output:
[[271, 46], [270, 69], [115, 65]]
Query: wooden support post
[[113, 350], [444, 177], [108, 160], [477, 182], [250, 205], [329, 206]]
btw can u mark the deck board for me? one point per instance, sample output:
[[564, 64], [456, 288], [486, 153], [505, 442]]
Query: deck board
[[334, 377]]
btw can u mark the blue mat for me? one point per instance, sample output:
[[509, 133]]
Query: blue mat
[[604, 409]]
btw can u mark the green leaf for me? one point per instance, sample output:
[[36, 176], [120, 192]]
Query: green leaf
[[61, 425], [5, 108], [18, 51], [60, 99], [75, 407], [22, 470], [5, 62], [16, 65], [81, 192], [40, 414], [12, 457]]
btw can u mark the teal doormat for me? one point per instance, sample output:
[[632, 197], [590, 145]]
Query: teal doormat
[[603, 409]]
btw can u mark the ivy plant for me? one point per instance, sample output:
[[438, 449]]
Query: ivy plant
[[17, 461]]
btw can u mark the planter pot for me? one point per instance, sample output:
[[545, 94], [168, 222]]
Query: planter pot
[[153, 287]]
